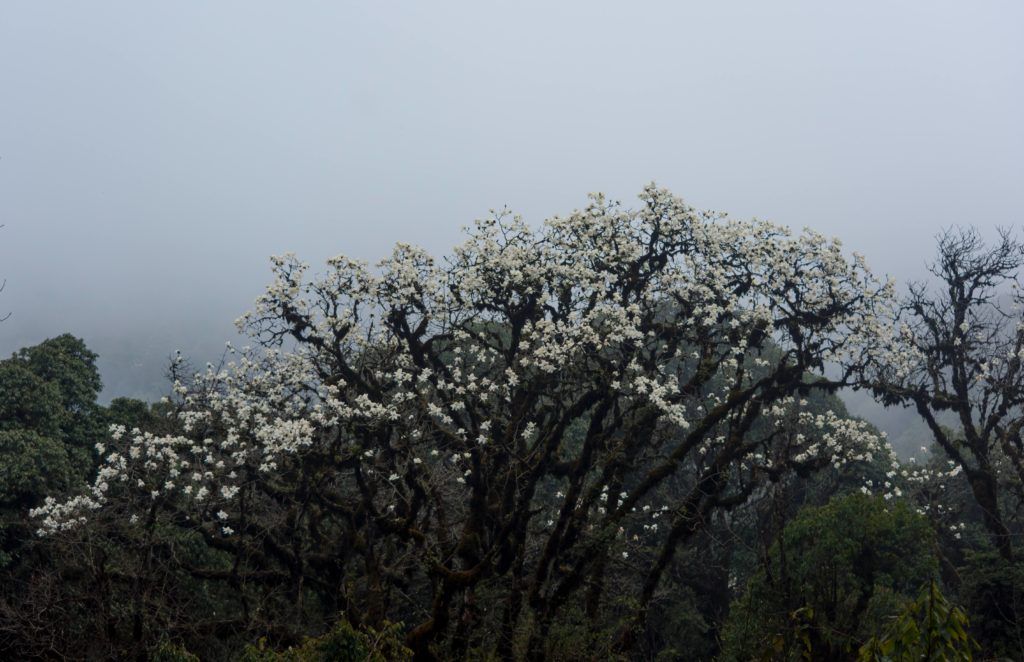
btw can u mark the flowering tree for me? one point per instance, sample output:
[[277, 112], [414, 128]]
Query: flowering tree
[[472, 445], [963, 347]]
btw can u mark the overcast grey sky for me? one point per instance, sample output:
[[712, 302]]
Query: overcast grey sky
[[152, 155]]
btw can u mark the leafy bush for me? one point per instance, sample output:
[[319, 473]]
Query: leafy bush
[[838, 572], [344, 643], [929, 628]]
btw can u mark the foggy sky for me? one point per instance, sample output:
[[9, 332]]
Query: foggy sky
[[152, 155]]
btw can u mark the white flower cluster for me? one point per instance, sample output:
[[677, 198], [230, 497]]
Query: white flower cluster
[[435, 378]]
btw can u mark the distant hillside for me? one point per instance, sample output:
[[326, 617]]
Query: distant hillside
[[907, 432]]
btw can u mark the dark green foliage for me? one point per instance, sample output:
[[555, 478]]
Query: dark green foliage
[[27, 402], [343, 643], [31, 465], [133, 413], [68, 364], [928, 629], [168, 652], [51, 389], [49, 422], [837, 574], [993, 594]]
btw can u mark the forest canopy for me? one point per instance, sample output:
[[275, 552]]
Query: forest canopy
[[615, 435]]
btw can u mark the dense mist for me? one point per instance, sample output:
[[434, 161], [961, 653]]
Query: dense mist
[[153, 158]]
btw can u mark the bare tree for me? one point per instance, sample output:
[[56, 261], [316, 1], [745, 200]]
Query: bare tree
[[966, 339]]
